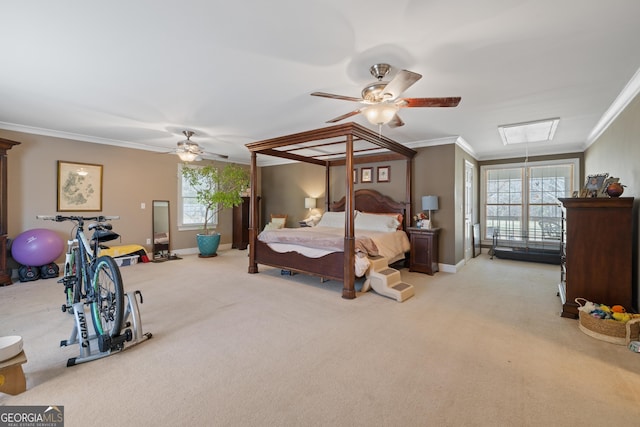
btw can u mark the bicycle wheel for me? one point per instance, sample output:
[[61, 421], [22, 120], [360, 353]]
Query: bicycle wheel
[[107, 307]]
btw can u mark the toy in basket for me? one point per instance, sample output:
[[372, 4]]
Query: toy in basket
[[611, 324]]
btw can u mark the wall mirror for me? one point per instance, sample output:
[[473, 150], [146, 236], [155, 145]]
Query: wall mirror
[[161, 238]]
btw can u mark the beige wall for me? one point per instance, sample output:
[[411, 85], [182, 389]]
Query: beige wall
[[130, 177], [284, 188], [433, 175], [617, 151], [395, 188]]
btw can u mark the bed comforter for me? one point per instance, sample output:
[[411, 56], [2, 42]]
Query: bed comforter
[[326, 238], [318, 241]]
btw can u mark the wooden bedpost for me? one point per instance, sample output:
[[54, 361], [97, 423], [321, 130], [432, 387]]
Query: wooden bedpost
[[253, 215], [348, 287], [327, 187]]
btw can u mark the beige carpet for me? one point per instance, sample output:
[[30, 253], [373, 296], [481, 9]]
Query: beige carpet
[[482, 347]]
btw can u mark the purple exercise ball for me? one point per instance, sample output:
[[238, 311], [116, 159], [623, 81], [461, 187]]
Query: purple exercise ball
[[37, 247]]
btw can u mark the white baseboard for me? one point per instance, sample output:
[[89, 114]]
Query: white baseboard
[[448, 268], [194, 251]]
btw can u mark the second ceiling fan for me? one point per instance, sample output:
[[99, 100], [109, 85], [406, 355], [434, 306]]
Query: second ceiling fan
[[382, 100], [190, 151]]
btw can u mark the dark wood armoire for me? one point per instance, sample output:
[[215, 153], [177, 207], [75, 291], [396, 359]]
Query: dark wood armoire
[[241, 224], [5, 274]]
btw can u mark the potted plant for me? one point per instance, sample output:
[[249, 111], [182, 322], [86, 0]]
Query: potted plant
[[216, 189]]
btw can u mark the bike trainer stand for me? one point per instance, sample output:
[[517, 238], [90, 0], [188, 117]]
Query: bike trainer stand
[[94, 347]]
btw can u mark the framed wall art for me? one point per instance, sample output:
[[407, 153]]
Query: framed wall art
[[366, 175], [384, 174], [79, 187], [355, 175]]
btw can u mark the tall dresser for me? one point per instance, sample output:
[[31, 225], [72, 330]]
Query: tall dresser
[[241, 224], [5, 275], [597, 257]]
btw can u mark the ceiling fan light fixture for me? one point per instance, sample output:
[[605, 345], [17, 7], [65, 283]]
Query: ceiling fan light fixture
[[187, 156], [380, 114]]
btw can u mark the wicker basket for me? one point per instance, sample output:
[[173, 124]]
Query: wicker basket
[[609, 330]]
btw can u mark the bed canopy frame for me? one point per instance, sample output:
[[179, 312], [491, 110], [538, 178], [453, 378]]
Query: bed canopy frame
[[345, 145]]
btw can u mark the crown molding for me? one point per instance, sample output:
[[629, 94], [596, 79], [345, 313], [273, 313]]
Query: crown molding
[[628, 93]]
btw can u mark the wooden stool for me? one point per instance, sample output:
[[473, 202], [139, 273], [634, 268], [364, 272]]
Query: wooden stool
[[12, 380]]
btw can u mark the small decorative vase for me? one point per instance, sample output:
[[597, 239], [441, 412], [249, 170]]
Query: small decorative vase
[[615, 189]]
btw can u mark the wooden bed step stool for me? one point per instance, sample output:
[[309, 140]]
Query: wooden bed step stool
[[386, 281], [12, 380]]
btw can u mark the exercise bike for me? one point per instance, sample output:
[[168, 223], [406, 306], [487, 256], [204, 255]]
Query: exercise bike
[[95, 281]]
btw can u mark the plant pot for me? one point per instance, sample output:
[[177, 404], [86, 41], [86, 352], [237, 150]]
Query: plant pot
[[208, 244]]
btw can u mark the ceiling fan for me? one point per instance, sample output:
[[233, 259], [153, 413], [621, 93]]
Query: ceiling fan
[[382, 100], [190, 151]]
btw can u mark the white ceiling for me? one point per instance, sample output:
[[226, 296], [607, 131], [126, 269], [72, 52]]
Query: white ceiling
[[138, 73]]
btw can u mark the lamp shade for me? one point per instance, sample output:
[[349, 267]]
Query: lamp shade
[[429, 203], [309, 203]]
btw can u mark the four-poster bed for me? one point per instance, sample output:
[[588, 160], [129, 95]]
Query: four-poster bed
[[340, 145]]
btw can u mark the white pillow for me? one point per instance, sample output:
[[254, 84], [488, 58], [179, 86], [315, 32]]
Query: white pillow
[[365, 221], [273, 226], [332, 219], [279, 221]]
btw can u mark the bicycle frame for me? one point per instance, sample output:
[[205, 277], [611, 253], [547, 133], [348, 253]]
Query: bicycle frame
[[69, 272], [85, 263]]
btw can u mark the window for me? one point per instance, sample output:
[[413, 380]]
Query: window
[[520, 201], [190, 212]]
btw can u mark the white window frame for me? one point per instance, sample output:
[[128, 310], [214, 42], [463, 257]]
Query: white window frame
[[191, 226], [483, 185]]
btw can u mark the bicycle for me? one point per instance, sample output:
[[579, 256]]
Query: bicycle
[[94, 279]]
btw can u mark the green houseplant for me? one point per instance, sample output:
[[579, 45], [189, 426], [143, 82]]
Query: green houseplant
[[216, 189]]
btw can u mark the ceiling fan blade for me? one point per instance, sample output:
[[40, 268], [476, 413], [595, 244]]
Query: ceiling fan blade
[[221, 156], [332, 96], [344, 116], [430, 102], [395, 122], [401, 82]]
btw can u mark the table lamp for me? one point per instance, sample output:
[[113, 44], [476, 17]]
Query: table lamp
[[430, 203]]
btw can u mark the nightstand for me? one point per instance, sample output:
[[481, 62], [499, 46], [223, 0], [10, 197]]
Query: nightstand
[[424, 250]]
